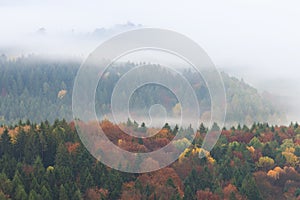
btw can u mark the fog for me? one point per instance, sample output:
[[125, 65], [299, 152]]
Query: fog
[[257, 40]]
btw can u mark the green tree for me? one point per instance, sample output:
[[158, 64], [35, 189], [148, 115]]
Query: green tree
[[20, 193], [77, 195], [202, 129], [35, 185], [188, 193], [17, 182], [39, 169], [5, 184], [63, 195], [88, 180], [249, 188], [20, 145], [45, 194], [33, 195], [5, 143], [62, 156], [268, 151]]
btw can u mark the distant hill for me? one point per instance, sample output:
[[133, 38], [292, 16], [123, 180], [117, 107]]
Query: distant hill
[[67, 43], [38, 89]]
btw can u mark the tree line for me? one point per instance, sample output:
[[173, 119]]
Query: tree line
[[48, 161]]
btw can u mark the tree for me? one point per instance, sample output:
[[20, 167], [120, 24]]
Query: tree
[[5, 143], [20, 193], [45, 194], [268, 151], [39, 169], [143, 128], [170, 183], [34, 196], [63, 195], [265, 162], [77, 195], [291, 159], [188, 193], [175, 130], [255, 143], [202, 129], [88, 180], [16, 182], [33, 146], [249, 188], [62, 156], [215, 127], [34, 185], [129, 122]]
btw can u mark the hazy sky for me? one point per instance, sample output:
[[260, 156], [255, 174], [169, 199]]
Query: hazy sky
[[258, 40]]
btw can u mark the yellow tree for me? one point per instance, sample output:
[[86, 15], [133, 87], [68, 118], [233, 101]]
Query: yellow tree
[[265, 162]]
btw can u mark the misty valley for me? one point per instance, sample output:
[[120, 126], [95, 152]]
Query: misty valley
[[42, 156]]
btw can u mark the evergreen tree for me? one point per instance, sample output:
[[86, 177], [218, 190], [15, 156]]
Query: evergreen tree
[[88, 180], [249, 188], [5, 143], [45, 194], [62, 156], [268, 151], [33, 195], [35, 185], [20, 193], [39, 169], [63, 195], [202, 129], [17, 182], [77, 195], [20, 145], [188, 193], [6, 185]]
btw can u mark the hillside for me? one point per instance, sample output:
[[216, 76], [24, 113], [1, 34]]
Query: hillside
[[38, 89]]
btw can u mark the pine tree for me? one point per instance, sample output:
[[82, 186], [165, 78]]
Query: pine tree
[[5, 184], [249, 188], [62, 157], [202, 129], [20, 193], [5, 143], [188, 193], [35, 185], [77, 195], [33, 195], [17, 182], [45, 194], [63, 195], [20, 145], [39, 169], [88, 180]]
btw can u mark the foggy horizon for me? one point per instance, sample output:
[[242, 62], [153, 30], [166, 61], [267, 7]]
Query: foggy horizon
[[257, 41]]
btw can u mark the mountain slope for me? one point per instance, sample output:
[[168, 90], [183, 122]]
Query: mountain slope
[[38, 89]]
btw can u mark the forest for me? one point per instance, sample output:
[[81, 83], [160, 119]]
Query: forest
[[48, 161], [42, 156], [32, 83], [149, 100]]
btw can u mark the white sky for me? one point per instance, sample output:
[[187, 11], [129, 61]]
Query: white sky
[[258, 40]]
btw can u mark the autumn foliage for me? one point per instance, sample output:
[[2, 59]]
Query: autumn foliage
[[260, 162]]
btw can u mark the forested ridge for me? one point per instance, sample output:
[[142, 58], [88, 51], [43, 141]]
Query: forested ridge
[[48, 161], [40, 89]]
